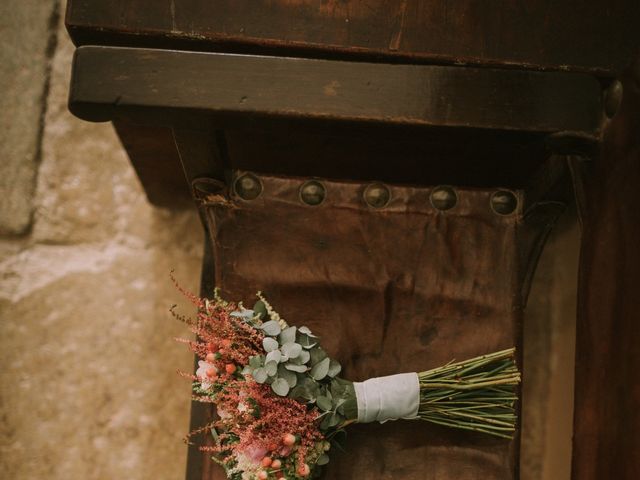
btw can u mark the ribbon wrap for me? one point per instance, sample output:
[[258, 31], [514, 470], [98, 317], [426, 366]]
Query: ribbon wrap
[[388, 398]]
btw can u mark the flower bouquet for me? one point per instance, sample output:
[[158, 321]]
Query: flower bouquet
[[281, 403]]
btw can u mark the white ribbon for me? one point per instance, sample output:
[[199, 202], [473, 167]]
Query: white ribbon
[[388, 398]]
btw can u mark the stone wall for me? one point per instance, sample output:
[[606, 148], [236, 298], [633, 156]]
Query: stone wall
[[88, 388]]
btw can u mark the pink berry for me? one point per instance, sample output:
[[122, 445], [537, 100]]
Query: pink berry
[[266, 462], [230, 368], [211, 357], [304, 470], [289, 439], [262, 475], [276, 463]]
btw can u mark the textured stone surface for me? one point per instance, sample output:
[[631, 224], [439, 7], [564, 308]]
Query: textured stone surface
[[88, 385], [24, 30]]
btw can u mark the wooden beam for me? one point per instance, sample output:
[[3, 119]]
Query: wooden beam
[[108, 80]]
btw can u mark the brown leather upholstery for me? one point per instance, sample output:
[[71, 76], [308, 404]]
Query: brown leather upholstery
[[402, 288]]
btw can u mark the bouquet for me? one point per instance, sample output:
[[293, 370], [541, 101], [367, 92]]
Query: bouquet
[[281, 402]]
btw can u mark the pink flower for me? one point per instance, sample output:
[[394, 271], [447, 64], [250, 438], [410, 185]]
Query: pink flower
[[201, 373], [255, 453]]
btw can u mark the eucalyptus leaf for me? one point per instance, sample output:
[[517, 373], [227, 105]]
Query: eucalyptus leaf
[[274, 356], [322, 459], [304, 356], [334, 368], [306, 342], [270, 344], [317, 355], [288, 335], [323, 403], [334, 419], [319, 370], [247, 370], [260, 309], [306, 331], [288, 375], [297, 392], [291, 350], [271, 328], [271, 368], [295, 368], [280, 386], [256, 361], [260, 375], [244, 314]]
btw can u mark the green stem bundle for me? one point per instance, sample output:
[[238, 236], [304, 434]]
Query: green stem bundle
[[478, 394]]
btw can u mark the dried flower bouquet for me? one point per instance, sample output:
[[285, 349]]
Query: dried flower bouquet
[[281, 403]]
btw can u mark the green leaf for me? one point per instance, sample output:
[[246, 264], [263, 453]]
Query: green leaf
[[247, 370], [271, 328], [304, 356], [323, 459], [288, 335], [323, 403], [270, 344], [291, 350], [306, 331], [256, 361], [289, 376], [306, 342], [319, 371], [274, 356], [295, 368], [334, 368], [271, 368], [280, 386], [260, 375], [317, 355], [260, 309]]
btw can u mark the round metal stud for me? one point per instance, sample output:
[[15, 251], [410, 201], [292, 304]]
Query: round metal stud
[[205, 187], [443, 198], [312, 193], [248, 187], [377, 195], [613, 98], [503, 202]]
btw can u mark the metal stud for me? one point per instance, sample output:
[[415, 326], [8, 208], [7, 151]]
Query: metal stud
[[613, 98], [377, 195], [312, 193], [443, 198], [503, 202], [248, 187], [205, 187]]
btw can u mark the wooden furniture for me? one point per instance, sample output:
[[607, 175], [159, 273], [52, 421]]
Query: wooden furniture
[[396, 165]]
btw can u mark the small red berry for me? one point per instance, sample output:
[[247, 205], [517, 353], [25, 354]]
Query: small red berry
[[230, 368], [226, 343], [289, 439], [211, 357], [212, 347], [276, 464], [212, 373], [304, 470]]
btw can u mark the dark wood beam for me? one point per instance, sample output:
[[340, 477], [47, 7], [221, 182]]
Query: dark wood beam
[[592, 36], [107, 80]]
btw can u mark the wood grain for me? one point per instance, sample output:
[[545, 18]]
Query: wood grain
[[594, 36]]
